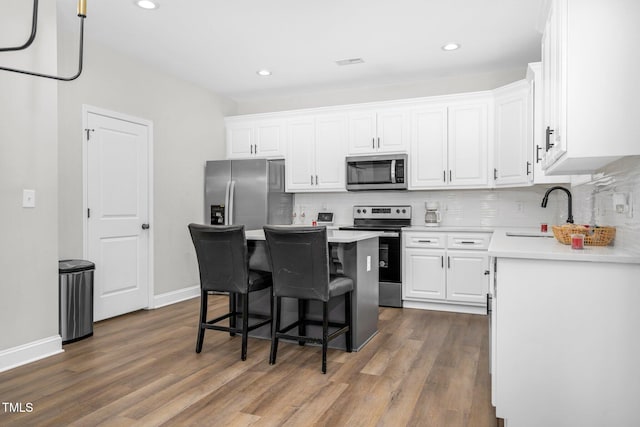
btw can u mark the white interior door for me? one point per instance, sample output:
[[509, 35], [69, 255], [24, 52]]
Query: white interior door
[[118, 206]]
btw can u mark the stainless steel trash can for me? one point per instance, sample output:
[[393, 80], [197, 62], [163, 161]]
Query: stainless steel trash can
[[75, 299]]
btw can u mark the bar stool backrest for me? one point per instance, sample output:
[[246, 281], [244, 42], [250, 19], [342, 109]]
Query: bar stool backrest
[[222, 257], [299, 261]]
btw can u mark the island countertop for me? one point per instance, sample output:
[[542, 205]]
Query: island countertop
[[333, 236]]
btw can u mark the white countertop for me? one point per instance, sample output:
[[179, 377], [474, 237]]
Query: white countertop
[[505, 246], [451, 229], [333, 236]]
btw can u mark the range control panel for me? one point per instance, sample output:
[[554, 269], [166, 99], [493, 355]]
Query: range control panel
[[382, 212]]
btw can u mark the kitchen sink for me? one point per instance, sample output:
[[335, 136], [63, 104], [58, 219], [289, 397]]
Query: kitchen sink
[[530, 234]]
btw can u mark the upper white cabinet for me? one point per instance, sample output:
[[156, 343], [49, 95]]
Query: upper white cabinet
[[513, 139], [316, 153], [255, 138], [535, 128], [590, 84], [378, 131], [449, 144]]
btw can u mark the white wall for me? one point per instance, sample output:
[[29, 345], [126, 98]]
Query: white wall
[[28, 160], [358, 94], [188, 130]]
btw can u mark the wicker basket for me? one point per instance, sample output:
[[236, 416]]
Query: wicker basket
[[593, 236]]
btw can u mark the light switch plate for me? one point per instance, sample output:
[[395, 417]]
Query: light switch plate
[[28, 198]]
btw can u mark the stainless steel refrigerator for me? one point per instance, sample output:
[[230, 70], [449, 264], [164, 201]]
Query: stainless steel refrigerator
[[249, 192]]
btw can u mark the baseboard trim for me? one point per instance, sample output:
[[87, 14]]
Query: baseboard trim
[[176, 296], [30, 352], [453, 308]]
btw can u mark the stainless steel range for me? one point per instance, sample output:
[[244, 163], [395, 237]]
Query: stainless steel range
[[390, 220]]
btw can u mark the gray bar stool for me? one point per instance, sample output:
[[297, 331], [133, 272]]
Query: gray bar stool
[[300, 269], [224, 267]]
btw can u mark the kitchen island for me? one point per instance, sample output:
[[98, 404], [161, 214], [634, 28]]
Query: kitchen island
[[565, 346], [352, 253]]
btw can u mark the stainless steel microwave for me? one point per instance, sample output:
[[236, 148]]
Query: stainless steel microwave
[[377, 172]]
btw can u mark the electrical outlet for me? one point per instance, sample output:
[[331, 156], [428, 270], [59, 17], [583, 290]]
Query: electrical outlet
[[28, 198]]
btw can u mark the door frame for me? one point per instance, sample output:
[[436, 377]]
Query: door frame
[[86, 110]]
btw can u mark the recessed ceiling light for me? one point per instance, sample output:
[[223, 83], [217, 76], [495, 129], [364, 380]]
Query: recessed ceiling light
[[146, 4], [451, 46], [263, 72]]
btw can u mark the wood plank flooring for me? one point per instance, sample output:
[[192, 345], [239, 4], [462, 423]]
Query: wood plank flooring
[[424, 368]]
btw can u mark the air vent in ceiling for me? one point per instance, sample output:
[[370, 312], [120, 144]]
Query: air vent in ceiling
[[350, 61]]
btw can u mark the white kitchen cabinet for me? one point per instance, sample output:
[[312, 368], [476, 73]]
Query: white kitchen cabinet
[[438, 275], [566, 340], [590, 84], [449, 144], [512, 144], [378, 131], [420, 264], [536, 129], [247, 138], [315, 153]]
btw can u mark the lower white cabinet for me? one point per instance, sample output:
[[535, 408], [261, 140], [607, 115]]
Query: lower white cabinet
[[440, 276]]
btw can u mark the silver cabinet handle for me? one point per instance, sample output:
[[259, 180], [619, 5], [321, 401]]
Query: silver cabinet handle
[[468, 242], [378, 142], [251, 147], [448, 262], [311, 179], [316, 179], [373, 143], [528, 168], [145, 226], [442, 262], [424, 241]]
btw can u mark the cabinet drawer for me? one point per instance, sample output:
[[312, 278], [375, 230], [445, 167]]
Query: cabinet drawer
[[425, 240], [468, 240]]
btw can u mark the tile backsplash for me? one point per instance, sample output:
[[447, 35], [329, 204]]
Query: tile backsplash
[[500, 207], [594, 201], [514, 207]]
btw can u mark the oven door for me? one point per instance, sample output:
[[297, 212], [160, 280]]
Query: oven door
[[389, 258]]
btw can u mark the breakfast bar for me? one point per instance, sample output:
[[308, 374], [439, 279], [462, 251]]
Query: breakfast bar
[[352, 253]]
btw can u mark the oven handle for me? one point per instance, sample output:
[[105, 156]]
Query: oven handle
[[393, 171]]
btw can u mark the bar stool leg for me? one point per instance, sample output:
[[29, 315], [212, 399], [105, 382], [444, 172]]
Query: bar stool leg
[[233, 311], [302, 327], [245, 325], [203, 319], [325, 335], [274, 332]]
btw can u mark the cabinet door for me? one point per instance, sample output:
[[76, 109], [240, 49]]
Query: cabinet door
[[269, 139], [428, 148], [467, 159], [331, 136], [424, 274], [240, 141], [466, 279], [553, 52], [393, 131], [512, 141], [300, 154], [362, 133]]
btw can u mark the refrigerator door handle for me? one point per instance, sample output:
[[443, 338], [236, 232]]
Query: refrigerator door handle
[[231, 198], [226, 203]]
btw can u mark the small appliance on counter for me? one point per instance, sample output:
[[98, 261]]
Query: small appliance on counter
[[325, 218], [432, 217]]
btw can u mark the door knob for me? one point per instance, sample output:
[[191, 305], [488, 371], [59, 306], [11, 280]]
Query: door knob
[[145, 226]]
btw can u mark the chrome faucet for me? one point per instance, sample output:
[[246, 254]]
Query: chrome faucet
[[545, 199]]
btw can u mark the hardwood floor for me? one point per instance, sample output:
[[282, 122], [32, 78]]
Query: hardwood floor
[[424, 368]]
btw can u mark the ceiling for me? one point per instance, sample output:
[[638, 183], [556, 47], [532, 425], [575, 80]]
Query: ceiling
[[220, 44]]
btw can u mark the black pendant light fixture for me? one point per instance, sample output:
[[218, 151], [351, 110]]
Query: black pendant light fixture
[[82, 14]]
